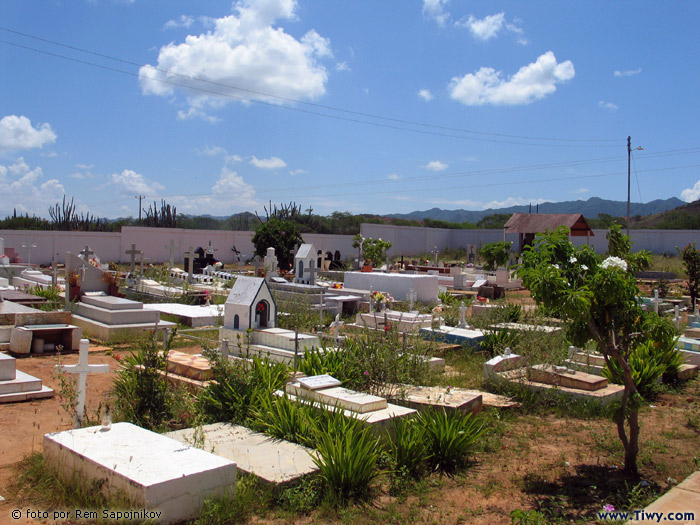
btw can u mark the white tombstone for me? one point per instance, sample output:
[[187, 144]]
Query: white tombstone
[[82, 369], [502, 363], [462, 316], [270, 263]]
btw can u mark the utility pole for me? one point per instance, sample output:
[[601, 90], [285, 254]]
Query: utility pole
[[629, 154], [140, 197]]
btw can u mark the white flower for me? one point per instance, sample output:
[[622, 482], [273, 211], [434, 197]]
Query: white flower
[[573, 260], [556, 266], [584, 267], [614, 262]]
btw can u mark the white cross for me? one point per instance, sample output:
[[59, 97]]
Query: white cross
[[171, 247], [133, 253], [82, 369], [29, 245], [335, 326], [412, 296], [87, 252], [656, 301], [436, 251]]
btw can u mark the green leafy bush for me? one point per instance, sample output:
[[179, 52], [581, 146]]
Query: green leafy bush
[[347, 461], [449, 437], [406, 446], [496, 341], [495, 254]]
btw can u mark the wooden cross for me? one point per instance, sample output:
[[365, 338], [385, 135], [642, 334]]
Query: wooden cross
[[133, 253], [82, 369]]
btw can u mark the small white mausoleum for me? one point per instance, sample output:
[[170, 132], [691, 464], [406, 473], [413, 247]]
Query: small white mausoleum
[[304, 260], [250, 305]]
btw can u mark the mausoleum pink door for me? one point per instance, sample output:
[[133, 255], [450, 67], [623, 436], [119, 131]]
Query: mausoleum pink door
[[262, 314]]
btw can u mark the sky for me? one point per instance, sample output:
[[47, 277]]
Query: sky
[[220, 107]]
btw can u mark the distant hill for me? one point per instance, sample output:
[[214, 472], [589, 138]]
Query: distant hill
[[685, 217], [590, 208]]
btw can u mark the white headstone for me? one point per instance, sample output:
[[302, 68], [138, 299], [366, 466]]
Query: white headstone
[[319, 382], [462, 314], [82, 369]]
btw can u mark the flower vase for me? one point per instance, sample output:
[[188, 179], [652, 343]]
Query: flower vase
[[74, 290]]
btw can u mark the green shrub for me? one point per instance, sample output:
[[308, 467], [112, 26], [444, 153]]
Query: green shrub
[[495, 342], [648, 362], [282, 418], [406, 446], [495, 254], [347, 461], [449, 437]]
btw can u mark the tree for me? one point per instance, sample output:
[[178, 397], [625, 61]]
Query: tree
[[372, 249], [281, 235], [495, 254], [599, 298], [691, 261]]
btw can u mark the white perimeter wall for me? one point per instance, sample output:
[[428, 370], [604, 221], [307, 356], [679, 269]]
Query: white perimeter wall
[[405, 240], [413, 240], [154, 242]]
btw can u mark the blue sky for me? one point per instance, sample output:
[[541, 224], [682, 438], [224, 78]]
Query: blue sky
[[363, 106]]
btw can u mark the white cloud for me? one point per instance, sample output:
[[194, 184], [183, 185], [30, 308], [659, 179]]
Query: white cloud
[[488, 27], [298, 172], [579, 191], [17, 133], [607, 105], [212, 151], [248, 50], [132, 183], [182, 21], [532, 82], [627, 72], [425, 94], [393, 176], [435, 10], [23, 189], [435, 165], [513, 201], [485, 28], [272, 163], [342, 66], [691, 194]]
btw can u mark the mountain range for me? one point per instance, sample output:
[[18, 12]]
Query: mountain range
[[590, 208]]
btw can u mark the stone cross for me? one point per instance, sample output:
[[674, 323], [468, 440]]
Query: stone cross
[[189, 263], [656, 301], [462, 312], [224, 349], [335, 327], [411, 296], [435, 251], [312, 274], [82, 273], [82, 369], [171, 247], [133, 252], [29, 246], [87, 252], [54, 273], [210, 249], [677, 316], [270, 263]]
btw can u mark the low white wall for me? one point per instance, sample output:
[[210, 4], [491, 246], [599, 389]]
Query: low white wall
[[155, 243]]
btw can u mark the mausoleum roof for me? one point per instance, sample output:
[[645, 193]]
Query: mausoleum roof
[[245, 290]]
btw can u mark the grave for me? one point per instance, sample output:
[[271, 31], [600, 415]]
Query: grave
[[449, 398], [681, 499], [91, 278], [205, 257], [82, 369], [108, 318], [190, 315], [271, 460], [16, 385], [40, 338], [14, 315], [270, 263], [589, 362], [32, 278], [556, 379], [153, 471], [522, 327], [404, 322], [398, 285], [690, 348], [454, 335], [374, 411]]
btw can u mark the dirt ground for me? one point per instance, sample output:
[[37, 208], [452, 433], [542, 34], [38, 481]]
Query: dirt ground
[[560, 466]]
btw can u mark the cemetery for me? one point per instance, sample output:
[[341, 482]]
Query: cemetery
[[257, 392]]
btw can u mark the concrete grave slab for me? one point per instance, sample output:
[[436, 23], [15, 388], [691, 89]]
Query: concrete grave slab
[[551, 375], [272, 460], [153, 471], [358, 402], [423, 397]]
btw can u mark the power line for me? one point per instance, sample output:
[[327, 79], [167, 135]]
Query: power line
[[295, 101]]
